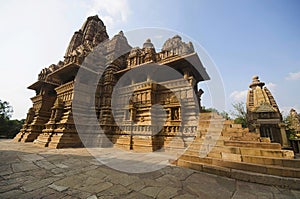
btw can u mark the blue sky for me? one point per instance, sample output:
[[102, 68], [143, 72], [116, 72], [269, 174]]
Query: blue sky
[[243, 38]]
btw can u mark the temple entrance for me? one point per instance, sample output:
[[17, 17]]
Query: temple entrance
[[271, 131]]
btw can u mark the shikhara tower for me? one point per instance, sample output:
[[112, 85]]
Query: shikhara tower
[[263, 114]]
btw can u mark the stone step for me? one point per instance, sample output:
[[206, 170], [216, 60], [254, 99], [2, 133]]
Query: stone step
[[290, 163], [248, 176], [194, 150], [264, 169], [247, 144]]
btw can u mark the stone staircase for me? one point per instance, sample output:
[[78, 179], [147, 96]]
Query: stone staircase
[[226, 149]]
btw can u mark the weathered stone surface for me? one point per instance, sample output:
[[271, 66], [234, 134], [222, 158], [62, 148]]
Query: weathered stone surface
[[95, 188], [102, 182], [58, 188], [151, 191], [5, 169], [31, 157], [168, 192], [23, 166], [11, 194], [45, 164], [38, 184]]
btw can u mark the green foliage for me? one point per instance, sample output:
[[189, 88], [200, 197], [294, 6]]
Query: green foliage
[[210, 110], [290, 131], [8, 128], [5, 110], [225, 115], [241, 121], [239, 113]]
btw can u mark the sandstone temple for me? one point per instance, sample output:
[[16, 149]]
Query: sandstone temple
[[263, 114], [50, 120], [211, 143]]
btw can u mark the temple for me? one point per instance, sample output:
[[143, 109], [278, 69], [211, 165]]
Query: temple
[[263, 115], [146, 101], [50, 121]]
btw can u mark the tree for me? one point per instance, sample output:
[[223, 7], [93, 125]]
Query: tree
[[5, 110], [209, 110], [225, 115], [290, 131], [239, 113], [8, 128]]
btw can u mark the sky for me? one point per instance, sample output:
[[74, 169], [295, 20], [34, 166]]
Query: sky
[[243, 39]]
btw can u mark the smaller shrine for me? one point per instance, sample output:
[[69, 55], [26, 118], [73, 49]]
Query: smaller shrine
[[294, 130], [263, 115]]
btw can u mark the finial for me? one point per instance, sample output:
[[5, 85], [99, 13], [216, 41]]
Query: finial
[[148, 44], [256, 82]]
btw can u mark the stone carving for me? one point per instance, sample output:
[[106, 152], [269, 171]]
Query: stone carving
[[176, 46]]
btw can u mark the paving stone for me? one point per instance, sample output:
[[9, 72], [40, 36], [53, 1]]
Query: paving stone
[[77, 193], [92, 181], [151, 191], [63, 166], [23, 166], [92, 197], [185, 196], [210, 185], [58, 170], [38, 193], [18, 178], [136, 195], [11, 194], [285, 194], [97, 173], [31, 157], [137, 186], [122, 179], [38, 184], [196, 189], [167, 192], [5, 188], [55, 195], [5, 169], [9, 158], [240, 194], [296, 193], [258, 190], [35, 171], [170, 180], [116, 190], [96, 188], [58, 188], [45, 164], [72, 181]]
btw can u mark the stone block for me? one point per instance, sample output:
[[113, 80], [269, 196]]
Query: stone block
[[231, 157]]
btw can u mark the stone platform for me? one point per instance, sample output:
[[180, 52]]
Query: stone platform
[[27, 171]]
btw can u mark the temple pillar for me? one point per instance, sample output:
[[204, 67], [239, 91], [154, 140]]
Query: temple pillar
[[257, 128], [283, 135]]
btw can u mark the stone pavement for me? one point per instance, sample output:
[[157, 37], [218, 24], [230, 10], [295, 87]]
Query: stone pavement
[[28, 171]]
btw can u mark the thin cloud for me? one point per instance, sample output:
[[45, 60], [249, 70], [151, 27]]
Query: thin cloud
[[239, 96], [293, 76], [112, 12], [271, 86]]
